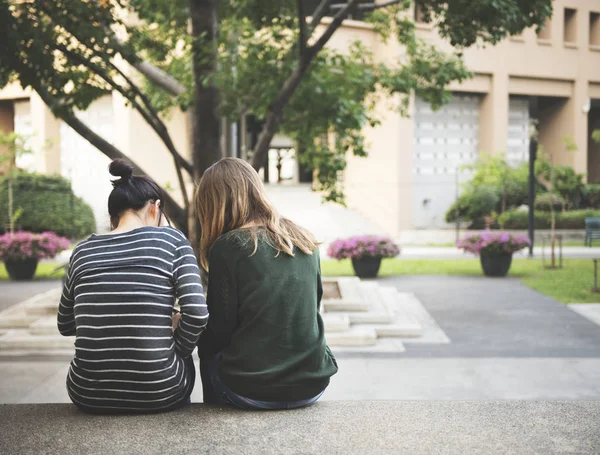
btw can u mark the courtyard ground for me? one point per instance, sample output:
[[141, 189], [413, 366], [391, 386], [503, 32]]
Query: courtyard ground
[[507, 342]]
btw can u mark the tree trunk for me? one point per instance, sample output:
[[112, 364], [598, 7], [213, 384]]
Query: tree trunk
[[206, 121]]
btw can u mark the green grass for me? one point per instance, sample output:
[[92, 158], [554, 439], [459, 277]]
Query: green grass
[[45, 271], [571, 284]]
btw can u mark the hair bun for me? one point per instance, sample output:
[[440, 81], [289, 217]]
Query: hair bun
[[121, 168]]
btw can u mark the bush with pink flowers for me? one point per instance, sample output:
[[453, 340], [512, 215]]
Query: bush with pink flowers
[[363, 246], [23, 246], [490, 243]]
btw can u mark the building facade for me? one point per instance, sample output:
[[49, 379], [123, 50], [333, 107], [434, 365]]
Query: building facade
[[415, 166], [413, 173]]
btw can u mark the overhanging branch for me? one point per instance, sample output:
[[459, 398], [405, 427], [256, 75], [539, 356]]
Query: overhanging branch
[[175, 212], [319, 14], [368, 6], [302, 36]]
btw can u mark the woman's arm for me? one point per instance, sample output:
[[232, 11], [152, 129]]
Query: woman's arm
[[189, 292], [66, 312], [222, 302]]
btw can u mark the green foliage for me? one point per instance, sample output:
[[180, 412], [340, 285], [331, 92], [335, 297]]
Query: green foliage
[[567, 183], [591, 196], [45, 205], [574, 219], [495, 187], [474, 203], [596, 136], [545, 201]]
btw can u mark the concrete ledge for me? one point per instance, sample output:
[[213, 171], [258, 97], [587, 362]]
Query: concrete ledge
[[357, 427]]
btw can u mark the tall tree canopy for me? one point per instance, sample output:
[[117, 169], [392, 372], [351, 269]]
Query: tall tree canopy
[[244, 57]]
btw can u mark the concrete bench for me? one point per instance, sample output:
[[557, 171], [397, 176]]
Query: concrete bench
[[357, 427]]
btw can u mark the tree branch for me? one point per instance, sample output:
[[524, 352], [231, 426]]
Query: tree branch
[[150, 115], [319, 14], [275, 112], [333, 26], [158, 76], [302, 37], [173, 210], [368, 6]]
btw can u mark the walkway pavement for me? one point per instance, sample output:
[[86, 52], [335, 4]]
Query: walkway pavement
[[508, 342], [13, 292]]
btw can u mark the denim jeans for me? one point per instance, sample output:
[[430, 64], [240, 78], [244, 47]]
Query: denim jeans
[[216, 392]]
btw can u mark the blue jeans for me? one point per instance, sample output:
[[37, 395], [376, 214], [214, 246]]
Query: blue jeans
[[216, 392]]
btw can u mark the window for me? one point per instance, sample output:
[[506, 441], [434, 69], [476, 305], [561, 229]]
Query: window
[[545, 32], [570, 26], [594, 29]]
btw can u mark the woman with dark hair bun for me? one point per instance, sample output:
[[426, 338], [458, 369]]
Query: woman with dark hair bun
[[132, 348]]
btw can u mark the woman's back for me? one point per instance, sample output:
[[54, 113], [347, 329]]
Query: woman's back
[[118, 301], [273, 348]]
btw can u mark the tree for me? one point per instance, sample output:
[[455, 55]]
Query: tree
[[15, 146], [248, 57]]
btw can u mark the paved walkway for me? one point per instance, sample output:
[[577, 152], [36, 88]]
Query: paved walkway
[[508, 342], [13, 292]]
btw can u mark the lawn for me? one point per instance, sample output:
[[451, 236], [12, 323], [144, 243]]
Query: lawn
[[571, 284], [45, 271]]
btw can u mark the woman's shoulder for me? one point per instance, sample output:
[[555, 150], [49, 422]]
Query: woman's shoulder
[[233, 240]]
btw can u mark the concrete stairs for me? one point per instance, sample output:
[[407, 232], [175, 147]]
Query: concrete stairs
[[363, 317], [368, 317], [31, 326]]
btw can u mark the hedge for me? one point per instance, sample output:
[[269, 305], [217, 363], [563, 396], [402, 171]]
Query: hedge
[[574, 219], [45, 202]]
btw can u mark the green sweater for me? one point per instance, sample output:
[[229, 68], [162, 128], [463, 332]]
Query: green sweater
[[264, 320]]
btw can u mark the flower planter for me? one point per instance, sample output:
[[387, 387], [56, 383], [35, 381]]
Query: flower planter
[[366, 267], [496, 265], [21, 270]]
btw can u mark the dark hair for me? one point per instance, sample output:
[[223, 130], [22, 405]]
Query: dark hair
[[130, 192]]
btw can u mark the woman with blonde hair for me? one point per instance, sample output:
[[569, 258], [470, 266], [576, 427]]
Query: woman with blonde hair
[[264, 345]]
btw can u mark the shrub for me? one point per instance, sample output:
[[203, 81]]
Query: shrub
[[474, 204], [574, 219], [591, 196], [45, 202], [21, 246], [363, 246], [545, 201], [493, 242]]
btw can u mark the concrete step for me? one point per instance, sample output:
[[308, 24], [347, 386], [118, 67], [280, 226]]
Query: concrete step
[[44, 326], [20, 340], [432, 332], [16, 318], [356, 336], [336, 322], [333, 305]]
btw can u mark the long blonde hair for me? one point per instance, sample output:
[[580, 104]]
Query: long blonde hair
[[232, 196]]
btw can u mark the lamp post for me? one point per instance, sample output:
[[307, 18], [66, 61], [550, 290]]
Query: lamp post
[[531, 196], [533, 146]]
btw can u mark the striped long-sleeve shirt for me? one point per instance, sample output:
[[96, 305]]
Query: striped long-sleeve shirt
[[118, 301]]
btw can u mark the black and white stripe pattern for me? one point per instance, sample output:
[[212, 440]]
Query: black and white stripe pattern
[[118, 300]]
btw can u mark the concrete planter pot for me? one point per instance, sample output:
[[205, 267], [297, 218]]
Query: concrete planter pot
[[496, 265], [366, 267], [21, 270]]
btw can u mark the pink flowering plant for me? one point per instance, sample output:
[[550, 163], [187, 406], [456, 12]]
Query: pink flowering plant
[[363, 246], [489, 243], [22, 246]]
